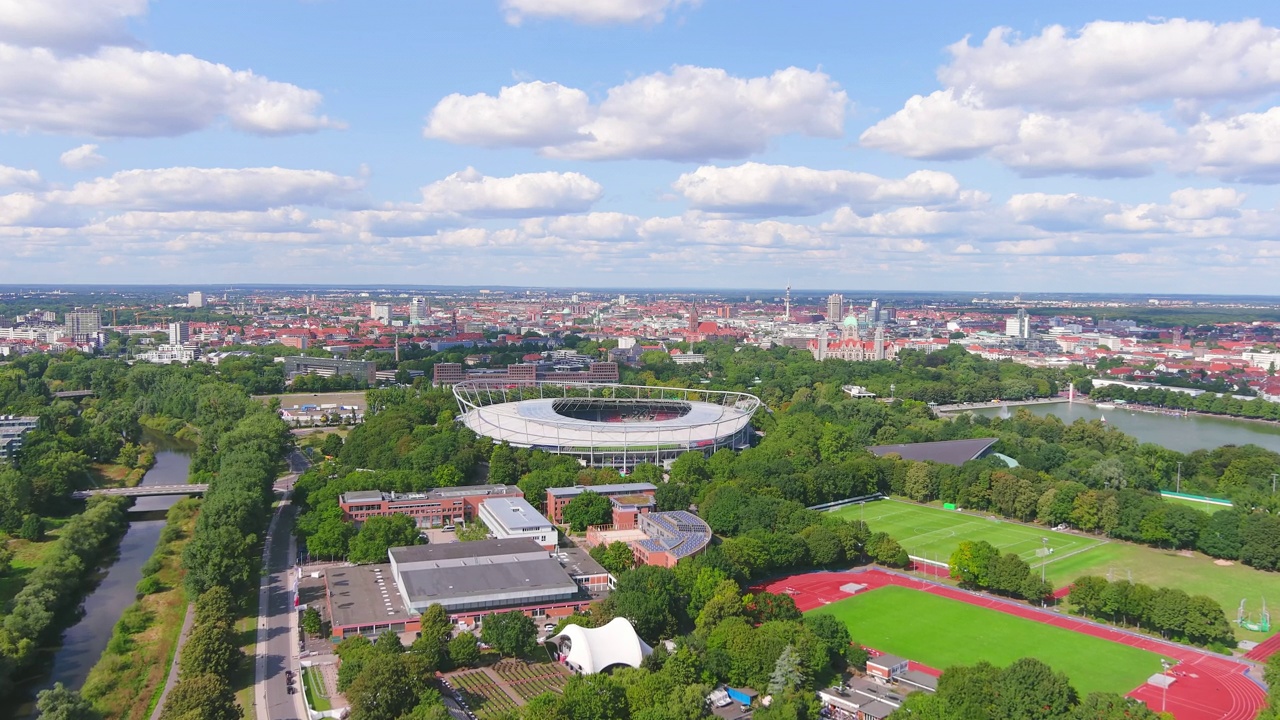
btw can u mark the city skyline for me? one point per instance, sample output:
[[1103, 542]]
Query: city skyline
[[706, 143]]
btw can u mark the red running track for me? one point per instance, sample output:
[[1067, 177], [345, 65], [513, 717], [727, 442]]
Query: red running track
[[1207, 687], [1265, 649]]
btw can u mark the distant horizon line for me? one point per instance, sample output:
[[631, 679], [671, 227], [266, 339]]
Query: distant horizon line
[[780, 291]]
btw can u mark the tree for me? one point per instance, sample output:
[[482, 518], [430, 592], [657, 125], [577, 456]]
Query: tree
[[1206, 623], [210, 650], [201, 697], [512, 633], [616, 557], [824, 545], [1087, 594], [834, 636], [592, 697], [464, 651], [384, 690], [216, 606], [587, 509], [331, 539], [1109, 706], [971, 563], [886, 551], [62, 703], [380, 533], [1030, 689], [786, 672], [503, 469], [311, 622], [1221, 537]]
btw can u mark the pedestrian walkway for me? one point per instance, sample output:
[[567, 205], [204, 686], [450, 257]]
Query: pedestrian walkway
[[172, 680]]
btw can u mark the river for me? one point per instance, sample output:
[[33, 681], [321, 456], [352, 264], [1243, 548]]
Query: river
[[1184, 434], [84, 642]]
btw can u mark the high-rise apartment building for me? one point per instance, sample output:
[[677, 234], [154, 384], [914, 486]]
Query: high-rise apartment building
[[81, 324], [835, 307], [380, 312], [179, 333], [195, 299], [1019, 325], [418, 311]]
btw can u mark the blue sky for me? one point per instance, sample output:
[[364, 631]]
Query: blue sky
[[714, 143]]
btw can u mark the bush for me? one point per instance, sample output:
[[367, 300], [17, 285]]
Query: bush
[[134, 620], [153, 565], [149, 585], [170, 533], [32, 528]]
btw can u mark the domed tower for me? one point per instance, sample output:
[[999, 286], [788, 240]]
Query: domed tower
[[849, 329]]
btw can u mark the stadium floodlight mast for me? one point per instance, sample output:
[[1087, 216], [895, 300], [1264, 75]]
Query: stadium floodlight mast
[[1044, 542]]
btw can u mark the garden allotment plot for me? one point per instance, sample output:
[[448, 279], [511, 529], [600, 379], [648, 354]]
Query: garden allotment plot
[[933, 533]]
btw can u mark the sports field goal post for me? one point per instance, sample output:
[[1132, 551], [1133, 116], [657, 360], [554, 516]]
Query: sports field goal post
[[1245, 620]]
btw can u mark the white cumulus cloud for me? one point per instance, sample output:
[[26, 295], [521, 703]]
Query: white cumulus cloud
[[1109, 63], [120, 91], [548, 193], [188, 188], [690, 113], [592, 12], [73, 25], [15, 178], [82, 157], [1111, 99], [943, 126], [756, 188]]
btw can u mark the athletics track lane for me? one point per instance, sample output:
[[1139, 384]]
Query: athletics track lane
[[1207, 687]]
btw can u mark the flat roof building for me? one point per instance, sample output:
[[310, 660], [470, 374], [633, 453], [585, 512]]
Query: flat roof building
[[434, 508], [329, 367], [557, 498], [513, 517], [947, 452], [482, 575], [13, 431]]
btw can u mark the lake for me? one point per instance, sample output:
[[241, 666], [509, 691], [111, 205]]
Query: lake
[[1184, 434]]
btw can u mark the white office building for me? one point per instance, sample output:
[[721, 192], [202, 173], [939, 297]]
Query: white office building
[[513, 517], [380, 312], [195, 299]]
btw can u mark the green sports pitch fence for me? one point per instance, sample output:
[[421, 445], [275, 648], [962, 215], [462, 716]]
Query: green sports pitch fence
[[931, 533]]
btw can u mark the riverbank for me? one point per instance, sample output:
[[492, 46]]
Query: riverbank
[[127, 680], [1192, 413], [964, 407]]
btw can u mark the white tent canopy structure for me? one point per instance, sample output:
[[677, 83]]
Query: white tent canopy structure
[[590, 650]]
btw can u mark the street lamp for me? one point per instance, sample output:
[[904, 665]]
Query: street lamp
[[1164, 686]]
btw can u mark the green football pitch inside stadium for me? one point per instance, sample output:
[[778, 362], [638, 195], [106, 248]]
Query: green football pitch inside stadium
[[941, 633], [933, 533]]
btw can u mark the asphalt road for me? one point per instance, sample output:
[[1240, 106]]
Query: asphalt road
[[277, 648]]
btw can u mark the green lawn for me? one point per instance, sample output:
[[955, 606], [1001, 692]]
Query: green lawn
[[314, 684], [1197, 575], [933, 533], [941, 633]]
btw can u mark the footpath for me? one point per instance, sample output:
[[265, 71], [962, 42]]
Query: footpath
[[172, 680]]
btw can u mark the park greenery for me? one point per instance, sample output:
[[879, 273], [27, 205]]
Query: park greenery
[[1174, 614], [813, 451]]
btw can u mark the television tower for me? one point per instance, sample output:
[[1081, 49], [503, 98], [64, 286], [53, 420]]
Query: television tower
[[786, 314]]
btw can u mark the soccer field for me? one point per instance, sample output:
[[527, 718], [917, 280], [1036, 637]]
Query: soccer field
[[933, 533], [941, 633]]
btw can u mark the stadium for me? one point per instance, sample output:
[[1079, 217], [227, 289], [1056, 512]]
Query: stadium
[[617, 426]]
